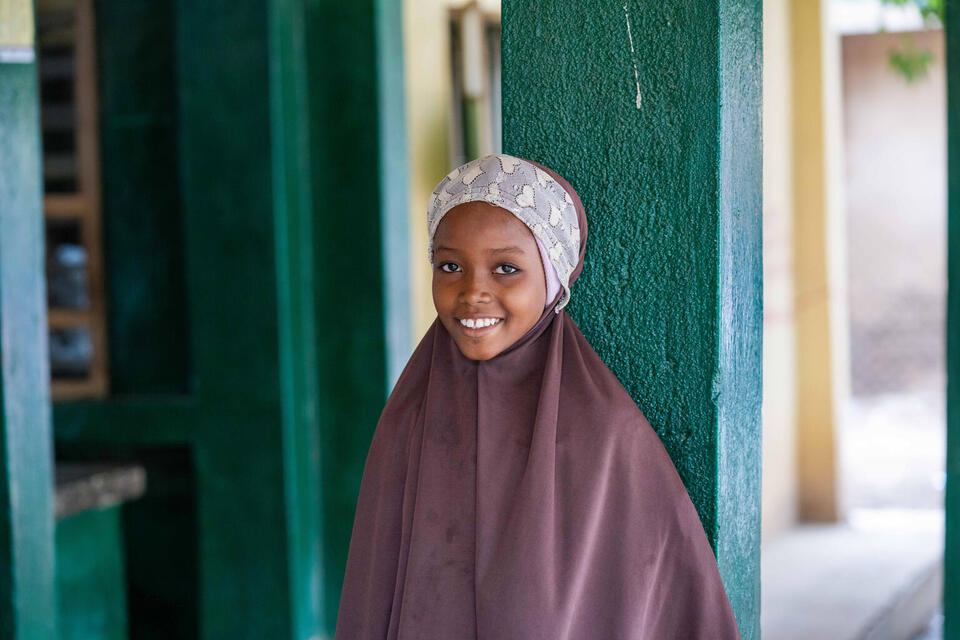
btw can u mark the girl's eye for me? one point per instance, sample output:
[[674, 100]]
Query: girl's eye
[[507, 269], [449, 267]]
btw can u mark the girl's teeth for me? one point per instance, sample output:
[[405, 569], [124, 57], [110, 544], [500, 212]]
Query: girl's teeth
[[479, 323]]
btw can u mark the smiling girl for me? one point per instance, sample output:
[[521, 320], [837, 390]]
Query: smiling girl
[[513, 490], [488, 286]]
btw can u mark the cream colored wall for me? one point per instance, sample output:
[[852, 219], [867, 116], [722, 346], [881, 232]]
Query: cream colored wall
[[426, 34], [16, 24], [779, 405]]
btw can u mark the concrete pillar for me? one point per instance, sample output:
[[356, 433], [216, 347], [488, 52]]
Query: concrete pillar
[[652, 111], [26, 451], [819, 264], [779, 333]]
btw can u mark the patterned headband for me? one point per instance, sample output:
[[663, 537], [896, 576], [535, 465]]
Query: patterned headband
[[526, 191]]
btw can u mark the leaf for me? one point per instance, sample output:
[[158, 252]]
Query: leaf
[[909, 61]]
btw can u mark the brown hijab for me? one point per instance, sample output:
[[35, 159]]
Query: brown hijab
[[525, 497]]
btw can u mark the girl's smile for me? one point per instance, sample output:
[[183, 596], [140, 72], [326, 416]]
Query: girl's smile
[[477, 325], [489, 286]]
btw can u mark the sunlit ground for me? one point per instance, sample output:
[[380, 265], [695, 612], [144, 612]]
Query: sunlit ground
[[892, 456]]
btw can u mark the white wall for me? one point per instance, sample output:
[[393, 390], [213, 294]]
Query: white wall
[[895, 149]]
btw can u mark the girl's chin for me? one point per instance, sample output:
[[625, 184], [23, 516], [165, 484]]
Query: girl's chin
[[474, 351], [479, 357]]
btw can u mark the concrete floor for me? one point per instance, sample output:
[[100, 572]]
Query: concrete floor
[[934, 628], [892, 451], [878, 575]]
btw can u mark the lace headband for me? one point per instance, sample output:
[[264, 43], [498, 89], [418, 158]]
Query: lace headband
[[524, 190]]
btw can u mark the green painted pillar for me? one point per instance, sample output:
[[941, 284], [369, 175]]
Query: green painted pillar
[[951, 560], [248, 273], [90, 586], [362, 300], [652, 111], [26, 452], [293, 244]]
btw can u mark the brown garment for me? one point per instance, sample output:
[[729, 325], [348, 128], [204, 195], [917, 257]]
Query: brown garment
[[524, 497]]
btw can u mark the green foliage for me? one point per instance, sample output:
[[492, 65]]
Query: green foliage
[[910, 61], [927, 8]]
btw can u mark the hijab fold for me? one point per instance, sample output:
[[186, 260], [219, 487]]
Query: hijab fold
[[525, 497]]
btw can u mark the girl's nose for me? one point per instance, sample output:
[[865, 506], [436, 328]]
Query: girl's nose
[[475, 289]]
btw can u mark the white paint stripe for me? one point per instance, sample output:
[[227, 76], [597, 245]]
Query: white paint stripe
[[633, 55], [17, 55]]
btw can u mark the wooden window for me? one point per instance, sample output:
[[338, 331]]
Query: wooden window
[[71, 172], [475, 81]]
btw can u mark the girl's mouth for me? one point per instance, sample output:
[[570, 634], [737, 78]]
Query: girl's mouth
[[475, 327]]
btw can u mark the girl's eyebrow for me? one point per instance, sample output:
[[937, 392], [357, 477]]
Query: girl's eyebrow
[[510, 249]]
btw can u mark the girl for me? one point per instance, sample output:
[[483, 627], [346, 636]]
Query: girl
[[513, 490]]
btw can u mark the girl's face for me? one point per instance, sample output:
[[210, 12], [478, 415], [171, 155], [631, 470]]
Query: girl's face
[[488, 282]]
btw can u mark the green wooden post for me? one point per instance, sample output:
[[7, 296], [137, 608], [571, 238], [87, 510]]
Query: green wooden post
[[293, 235], [358, 159], [247, 269], [91, 598], [392, 179], [26, 478], [951, 558], [652, 111]]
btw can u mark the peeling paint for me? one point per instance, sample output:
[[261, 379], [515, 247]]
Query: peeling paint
[[633, 53]]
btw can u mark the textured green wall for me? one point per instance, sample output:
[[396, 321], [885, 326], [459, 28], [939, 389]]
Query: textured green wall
[[26, 477], [951, 562], [91, 596], [671, 293]]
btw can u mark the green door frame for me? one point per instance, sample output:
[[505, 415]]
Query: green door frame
[[26, 477], [951, 557], [293, 190]]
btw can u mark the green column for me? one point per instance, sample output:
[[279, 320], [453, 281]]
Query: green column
[[293, 243], [652, 111], [26, 479], [249, 273], [90, 586], [358, 178], [951, 560]]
